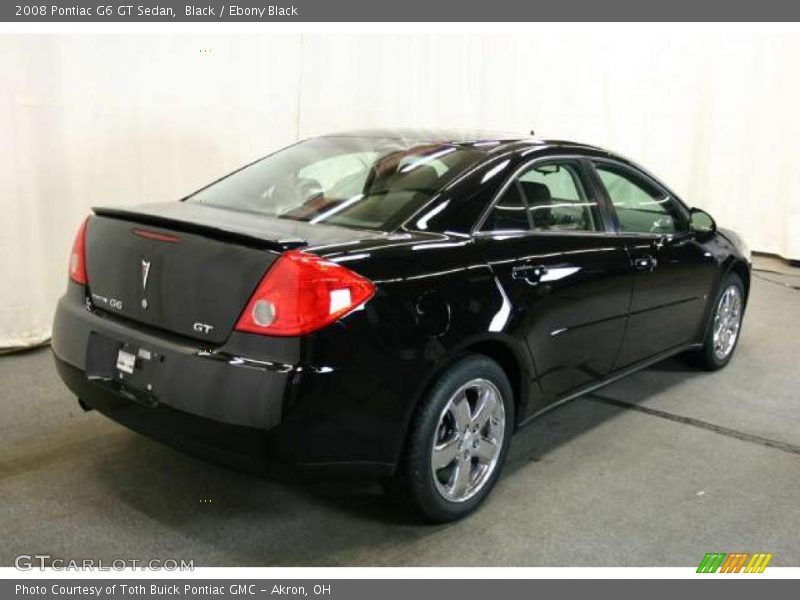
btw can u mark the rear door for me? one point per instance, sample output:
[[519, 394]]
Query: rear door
[[567, 277], [673, 272]]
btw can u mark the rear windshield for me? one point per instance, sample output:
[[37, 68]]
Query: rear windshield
[[368, 183]]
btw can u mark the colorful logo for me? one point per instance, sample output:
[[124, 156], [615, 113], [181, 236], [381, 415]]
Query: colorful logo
[[735, 562]]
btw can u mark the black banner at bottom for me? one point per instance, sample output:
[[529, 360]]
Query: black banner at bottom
[[732, 586]]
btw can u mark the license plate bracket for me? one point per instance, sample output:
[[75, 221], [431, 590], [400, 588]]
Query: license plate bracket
[[123, 365]]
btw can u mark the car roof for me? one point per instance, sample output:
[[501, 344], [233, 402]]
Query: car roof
[[498, 139], [457, 136]]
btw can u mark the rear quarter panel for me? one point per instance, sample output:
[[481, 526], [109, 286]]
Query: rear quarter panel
[[435, 299]]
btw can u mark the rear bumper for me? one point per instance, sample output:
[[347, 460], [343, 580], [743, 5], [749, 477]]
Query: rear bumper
[[232, 445], [241, 411]]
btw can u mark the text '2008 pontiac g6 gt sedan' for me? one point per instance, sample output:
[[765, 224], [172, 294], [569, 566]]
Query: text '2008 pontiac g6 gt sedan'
[[395, 304]]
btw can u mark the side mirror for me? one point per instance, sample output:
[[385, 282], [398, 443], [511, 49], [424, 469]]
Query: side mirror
[[701, 221]]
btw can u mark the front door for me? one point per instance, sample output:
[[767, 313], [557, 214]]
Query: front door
[[673, 273]]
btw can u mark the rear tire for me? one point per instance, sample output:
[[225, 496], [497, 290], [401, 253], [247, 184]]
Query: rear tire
[[458, 441], [725, 326]]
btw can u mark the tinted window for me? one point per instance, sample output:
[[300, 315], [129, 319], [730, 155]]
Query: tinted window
[[552, 196], [641, 207], [509, 213], [556, 199], [370, 183]]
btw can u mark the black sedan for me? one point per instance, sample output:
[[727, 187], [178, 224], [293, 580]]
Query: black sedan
[[392, 303]]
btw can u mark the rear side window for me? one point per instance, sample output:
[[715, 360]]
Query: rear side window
[[510, 213], [557, 200], [641, 207], [553, 197]]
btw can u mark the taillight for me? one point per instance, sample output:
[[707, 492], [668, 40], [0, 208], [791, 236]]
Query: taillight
[[301, 293], [77, 258]]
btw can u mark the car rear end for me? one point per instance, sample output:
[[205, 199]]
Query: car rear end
[[224, 325], [195, 337]]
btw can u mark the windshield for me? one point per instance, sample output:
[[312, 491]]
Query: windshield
[[370, 183]]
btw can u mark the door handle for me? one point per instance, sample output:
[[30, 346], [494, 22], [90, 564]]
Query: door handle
[[645, 263], [531, 274]]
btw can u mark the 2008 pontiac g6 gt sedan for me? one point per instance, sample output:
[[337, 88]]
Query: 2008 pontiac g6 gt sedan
[[392, 303]]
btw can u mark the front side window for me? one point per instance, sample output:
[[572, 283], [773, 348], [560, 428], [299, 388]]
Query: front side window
[[371, 183], [641, 207], [553, 197]]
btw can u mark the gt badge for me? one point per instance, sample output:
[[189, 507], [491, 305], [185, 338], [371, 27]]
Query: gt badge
[[202, 328]]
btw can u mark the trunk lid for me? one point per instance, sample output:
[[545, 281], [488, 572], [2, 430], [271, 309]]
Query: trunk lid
[[187, 268]]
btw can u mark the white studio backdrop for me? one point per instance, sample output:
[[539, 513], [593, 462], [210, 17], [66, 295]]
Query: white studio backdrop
[[90, 120]]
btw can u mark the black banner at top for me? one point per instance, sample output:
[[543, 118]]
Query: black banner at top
[[110, 11]]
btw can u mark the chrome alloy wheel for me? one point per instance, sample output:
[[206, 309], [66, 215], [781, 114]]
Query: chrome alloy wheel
[[468, 440], [727, 321]]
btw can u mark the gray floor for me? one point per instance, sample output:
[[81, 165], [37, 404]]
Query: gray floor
[[655, 470]]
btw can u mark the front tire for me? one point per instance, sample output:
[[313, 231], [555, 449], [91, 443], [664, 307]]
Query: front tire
[[458, 441], [725, 326]]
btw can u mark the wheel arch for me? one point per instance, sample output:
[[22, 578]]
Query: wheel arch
[[741, 268], [507, 352], [731, 265], [502, 353]]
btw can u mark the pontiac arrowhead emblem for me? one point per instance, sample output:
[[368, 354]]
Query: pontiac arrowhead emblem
[[145, 273]]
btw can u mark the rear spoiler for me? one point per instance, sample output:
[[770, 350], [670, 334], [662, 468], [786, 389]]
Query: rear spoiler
[[209, 231]]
